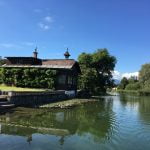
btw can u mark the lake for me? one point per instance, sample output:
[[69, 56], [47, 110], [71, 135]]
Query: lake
[[113, 123]]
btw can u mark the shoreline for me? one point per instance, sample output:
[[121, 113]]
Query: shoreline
[[67, 104], [136, 92]]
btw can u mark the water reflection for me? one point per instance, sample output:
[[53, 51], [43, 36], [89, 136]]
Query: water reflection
[[96, 119], [139, 103], [114, 123]]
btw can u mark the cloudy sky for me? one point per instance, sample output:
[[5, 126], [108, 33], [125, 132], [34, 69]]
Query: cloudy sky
[[121, 26], [118, 75]]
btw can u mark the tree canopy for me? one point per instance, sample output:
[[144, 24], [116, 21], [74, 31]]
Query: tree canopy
[[123, 83], [144, 76], [96, 70], [2, 61], [143, 83]]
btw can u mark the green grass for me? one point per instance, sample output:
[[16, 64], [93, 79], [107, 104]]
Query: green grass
[[12, 88]]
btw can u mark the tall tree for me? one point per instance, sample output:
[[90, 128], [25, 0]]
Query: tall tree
[[144, 76], [104, 64], [96, 70], [124, 82]]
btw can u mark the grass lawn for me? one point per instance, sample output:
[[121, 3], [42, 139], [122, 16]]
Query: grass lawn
[[12, 88]]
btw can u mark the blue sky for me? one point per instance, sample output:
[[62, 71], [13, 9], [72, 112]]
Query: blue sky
[[121, 26]]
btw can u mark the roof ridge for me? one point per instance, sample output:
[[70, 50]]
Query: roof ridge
[[59, 59]]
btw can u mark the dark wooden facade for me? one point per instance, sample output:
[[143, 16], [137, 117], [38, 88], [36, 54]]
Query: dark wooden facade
[[66, 79], [67, 73]]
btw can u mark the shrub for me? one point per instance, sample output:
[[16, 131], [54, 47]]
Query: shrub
[[133, 86]]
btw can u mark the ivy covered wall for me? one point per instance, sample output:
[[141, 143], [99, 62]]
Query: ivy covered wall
[[28, 77]]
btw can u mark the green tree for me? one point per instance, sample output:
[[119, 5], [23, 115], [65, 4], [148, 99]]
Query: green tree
[[132, 79], [144, 76], [2, 61], [85, 59], [124, 82], [133, 86], [96, 70], [88, 79], [104, 64]]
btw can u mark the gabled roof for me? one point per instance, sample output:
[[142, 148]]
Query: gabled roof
[[22, 58], [18, 57], [61, 64], [51, 63]]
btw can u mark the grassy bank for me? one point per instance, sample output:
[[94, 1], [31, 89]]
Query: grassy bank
[[135, 92], [12, 88]]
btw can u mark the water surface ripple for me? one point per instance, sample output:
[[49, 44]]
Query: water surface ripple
[[113, 123]]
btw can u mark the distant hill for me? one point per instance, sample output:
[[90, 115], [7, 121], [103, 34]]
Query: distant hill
[[116, 81]]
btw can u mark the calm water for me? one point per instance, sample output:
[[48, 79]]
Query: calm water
[[113, 123]]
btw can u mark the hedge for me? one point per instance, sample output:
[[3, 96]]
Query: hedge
[[28, 77]]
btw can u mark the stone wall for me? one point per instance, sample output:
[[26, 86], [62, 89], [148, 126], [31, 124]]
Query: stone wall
[[35, 99]]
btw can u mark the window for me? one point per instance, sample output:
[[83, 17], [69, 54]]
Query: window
[[69, 80], [62, 79]]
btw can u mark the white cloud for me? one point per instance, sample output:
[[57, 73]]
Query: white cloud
[[16, 46], [118, 75], [6, 45], [9, 45], [44, 26], [48, 19], [46, 23], [128, 75]]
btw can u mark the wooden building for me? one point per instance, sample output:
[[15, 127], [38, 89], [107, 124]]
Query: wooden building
[[67, 69], [67, 75]]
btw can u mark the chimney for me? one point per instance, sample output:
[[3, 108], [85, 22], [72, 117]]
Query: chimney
[[35, 53]]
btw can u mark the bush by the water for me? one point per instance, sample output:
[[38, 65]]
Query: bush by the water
[[140, 86], [28, 77], [133, 86]]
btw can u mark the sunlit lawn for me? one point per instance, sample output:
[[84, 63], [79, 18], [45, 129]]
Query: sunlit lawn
[[12, 88]]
